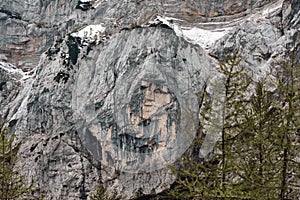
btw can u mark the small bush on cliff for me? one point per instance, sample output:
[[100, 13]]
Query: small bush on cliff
[[102, 194]]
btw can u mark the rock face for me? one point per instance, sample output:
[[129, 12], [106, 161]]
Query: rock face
[[116, 102], [291, 14], [29, 28], [9, 83], [129, 102], [261, 40]]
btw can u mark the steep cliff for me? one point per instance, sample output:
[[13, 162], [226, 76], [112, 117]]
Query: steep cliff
[[128, 101], [108, 91], [29, 28]]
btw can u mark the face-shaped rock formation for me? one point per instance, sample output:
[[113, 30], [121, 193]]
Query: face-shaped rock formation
[[117, 105]]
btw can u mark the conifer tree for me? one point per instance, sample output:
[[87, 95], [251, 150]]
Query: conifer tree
[[12, 183], [257, 155], [256, 150], [102, 194], [221, 117], [288, 77]]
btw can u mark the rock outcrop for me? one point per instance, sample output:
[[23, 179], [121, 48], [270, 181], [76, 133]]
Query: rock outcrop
[[291, 14], [108, 91], [29, 28], [10, 84], [128, 103]]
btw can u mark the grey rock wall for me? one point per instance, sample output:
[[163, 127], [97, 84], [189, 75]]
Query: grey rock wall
[[128, 103], [9, 85], [118, 109], [255, 41], [291, 15], [261, 41], [29, 28]]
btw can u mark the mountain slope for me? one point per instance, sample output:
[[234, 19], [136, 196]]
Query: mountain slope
[[108, 89]]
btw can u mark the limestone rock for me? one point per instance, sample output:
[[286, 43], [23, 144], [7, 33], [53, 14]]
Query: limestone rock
[[29, 28], [291, 14], [128, 103], [255, 42], [113, 98], [11, 82]]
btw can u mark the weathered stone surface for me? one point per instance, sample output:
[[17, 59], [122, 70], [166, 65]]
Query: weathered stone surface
[[261, 41], [11, 81], [116, 107], [254, 40], [28, 28], [129, 102], [291, 14]]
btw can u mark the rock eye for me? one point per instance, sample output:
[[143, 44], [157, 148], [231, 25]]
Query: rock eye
[[146, 122]]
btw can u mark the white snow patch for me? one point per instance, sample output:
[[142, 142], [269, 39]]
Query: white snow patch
[[173, 18], [164, 20], [95, 3], [89, 31], [16, 73], [203, 37]]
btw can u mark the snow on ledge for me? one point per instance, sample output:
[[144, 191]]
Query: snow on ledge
[[89, 31], [203, 37], [15, 73]]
